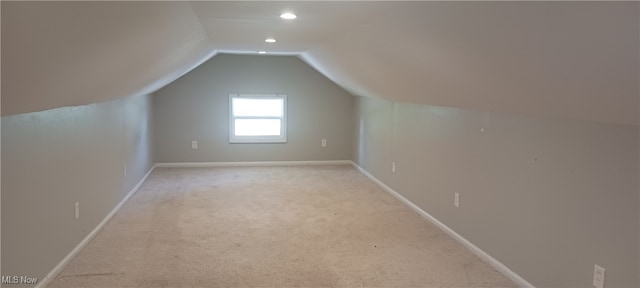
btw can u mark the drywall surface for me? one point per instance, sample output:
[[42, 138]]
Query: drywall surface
[[547, 197], [196, 108], [107, 49], [53, 159], [542, 58]]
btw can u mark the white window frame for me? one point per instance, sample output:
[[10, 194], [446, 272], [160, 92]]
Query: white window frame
[[282, 138]]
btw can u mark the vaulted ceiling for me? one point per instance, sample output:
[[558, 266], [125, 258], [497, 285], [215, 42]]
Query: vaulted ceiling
[[578, 60]]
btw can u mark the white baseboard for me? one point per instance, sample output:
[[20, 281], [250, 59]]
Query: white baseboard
[[260, 163], [473, 248], [65, 261]]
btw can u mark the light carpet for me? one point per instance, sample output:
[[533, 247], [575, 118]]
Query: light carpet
[[280, 226]]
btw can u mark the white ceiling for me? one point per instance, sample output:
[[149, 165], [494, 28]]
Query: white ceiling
[[242, 26], [578, 60]]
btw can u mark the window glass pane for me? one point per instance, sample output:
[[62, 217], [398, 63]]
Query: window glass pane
[[258, 107], [257, 127]]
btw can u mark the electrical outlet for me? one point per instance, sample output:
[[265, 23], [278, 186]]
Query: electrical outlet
[[194, 144], [393, 167], [598, 276], [456, 199], [324, 143], [76, 208]]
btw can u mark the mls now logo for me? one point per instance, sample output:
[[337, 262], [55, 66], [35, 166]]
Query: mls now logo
[[19, 280]]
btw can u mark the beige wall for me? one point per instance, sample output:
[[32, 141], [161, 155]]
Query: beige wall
[[547, 197], [196, 107], [52, 159]]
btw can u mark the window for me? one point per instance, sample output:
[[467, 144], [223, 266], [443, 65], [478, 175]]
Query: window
[[257, 118]]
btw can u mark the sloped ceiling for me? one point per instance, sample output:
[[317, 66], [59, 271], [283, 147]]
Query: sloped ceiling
[[72, 53], [578, 60]]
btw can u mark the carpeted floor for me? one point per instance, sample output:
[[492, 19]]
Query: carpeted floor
[[289, 226]]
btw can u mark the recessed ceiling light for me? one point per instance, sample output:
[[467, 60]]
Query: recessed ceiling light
[[262, 52], [288, 16], [270, 40]]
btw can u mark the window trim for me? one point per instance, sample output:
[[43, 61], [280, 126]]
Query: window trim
[[282, 138]]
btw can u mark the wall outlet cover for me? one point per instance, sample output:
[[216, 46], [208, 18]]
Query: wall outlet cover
[[598, 276], [76, 208]]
